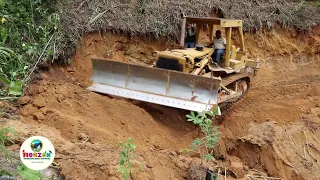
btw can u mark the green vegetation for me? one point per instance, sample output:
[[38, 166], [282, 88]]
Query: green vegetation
[[206, 143], [28, 35], [4, 138], [4, 173], [127, 155], [28, 174], [314, 3]]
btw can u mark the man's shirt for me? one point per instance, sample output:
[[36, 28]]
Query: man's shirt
[[219, 43]]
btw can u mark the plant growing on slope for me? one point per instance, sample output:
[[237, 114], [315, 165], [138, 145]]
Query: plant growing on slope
[[205, 144], [204, 121], [127, 156], [12, 68], [28, 174], [4, 137]]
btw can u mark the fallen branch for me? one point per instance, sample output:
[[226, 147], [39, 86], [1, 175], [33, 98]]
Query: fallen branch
[[35, 65]]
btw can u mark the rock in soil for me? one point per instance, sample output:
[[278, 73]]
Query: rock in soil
[[83, 137], [29, 109], [38, 116], [236, 167], [23, 100], [6, 178], [196, 172], [39, 102]]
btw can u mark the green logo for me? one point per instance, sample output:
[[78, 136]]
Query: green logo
[[36, 145]]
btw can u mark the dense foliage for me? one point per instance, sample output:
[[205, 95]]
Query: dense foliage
[[28, 34]]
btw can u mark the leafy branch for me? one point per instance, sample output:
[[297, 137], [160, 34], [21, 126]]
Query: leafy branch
[[127, 155], [204, 121]]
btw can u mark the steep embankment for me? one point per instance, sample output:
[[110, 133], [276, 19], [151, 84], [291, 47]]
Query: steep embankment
[[274, 129], [277, 124]]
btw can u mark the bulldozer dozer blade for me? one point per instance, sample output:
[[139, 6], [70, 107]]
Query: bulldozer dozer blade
[[154, 85]]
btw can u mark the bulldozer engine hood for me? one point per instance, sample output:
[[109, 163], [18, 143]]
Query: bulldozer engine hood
[[171, 54], [192, 52], [182, 53]]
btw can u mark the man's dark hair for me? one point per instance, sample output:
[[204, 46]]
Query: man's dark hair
[[218, 32]]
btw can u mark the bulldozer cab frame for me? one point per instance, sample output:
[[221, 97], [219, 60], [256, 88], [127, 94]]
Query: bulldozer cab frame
[[228, 24]]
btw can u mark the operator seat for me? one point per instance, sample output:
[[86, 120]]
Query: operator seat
[[233, 54]]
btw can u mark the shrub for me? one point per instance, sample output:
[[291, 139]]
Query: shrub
[[127, 156], [205, 144], [28, 174]]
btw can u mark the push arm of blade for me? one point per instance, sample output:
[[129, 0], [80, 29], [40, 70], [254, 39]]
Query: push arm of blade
[[202, 64], [224, 88]]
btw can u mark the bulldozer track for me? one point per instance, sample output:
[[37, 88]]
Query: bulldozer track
[[226, 108]]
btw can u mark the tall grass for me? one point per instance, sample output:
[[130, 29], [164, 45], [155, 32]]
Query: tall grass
[[13, 68]]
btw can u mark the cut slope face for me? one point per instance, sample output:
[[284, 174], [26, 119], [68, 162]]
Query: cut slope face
[[266, 130], [291, 150], [280, 108], [113, 46]]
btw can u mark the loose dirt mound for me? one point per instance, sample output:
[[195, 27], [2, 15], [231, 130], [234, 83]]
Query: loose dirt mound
[[286, 92], [280, 147], [282, 109]]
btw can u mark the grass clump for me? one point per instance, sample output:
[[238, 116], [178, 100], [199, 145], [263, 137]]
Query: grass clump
[[5, 138], [28, 174]]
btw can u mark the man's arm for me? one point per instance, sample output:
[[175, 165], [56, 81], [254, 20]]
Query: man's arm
[[211, 44]]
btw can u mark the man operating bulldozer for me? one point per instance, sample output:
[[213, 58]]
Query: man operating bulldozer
[[219, 45]]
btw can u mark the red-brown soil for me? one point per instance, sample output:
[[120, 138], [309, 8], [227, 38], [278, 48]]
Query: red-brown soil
[[274, 129]]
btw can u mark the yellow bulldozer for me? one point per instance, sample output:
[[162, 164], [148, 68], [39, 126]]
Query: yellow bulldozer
[[185, 78]]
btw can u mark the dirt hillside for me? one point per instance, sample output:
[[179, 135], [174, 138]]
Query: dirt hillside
[[274, 130], [277, 124]]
